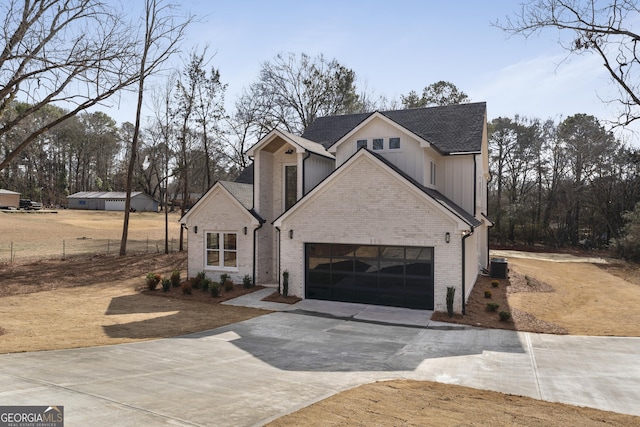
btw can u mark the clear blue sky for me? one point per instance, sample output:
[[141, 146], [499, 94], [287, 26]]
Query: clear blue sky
[[398, 46]]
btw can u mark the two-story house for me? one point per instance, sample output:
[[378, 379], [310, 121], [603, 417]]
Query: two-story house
[[382, 208]]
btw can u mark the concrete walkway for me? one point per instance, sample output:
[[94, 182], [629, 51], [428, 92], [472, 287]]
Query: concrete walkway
[[254, 371]]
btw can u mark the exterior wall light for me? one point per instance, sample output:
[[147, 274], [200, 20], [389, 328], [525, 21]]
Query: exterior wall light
[[195, 229], [291, 234], [244, 230], [447, 237]]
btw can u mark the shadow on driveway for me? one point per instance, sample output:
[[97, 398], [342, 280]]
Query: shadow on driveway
[[297, 341]]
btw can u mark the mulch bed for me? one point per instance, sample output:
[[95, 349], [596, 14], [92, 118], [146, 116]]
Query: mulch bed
[[276, 297], [198, 295], [478, 315]]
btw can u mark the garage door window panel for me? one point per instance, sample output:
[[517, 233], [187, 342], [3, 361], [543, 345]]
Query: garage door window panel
[[366, 251]]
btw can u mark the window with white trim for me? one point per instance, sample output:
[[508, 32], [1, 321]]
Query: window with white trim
[[394, 143], [361, 143], [432, 180], [378, 143], [290, 185], [221, 250]]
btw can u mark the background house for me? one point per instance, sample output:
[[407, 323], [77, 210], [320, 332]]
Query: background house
[[111, 201], [9, 199]]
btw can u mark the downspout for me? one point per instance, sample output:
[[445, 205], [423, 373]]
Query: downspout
[[278, 250], [255, 248], [464, 261]]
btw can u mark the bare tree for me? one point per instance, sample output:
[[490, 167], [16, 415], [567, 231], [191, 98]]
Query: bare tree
[[75, 53], [209, 106], [436, 94], [600, 27], [292, 91], [161, 38], [186, 100], [163, 132], [237, 139]]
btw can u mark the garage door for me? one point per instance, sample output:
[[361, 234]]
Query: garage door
[[114, 205], [400, 276]]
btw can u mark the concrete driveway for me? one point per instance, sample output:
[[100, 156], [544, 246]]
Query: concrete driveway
[[252, 372]]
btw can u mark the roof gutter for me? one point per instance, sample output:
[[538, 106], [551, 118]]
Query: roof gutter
[[464, 238]]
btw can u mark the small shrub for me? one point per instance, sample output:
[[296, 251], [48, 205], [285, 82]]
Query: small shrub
[[223, 278], [152, 281], [228, 285], [175, 278], [214, 288], [285, 283], [504, 316], [205, 284], [186, 287], [451, 292], [196, 284], [487, 294], [495, 283], [247, 281], [200, 277], [492, 306], [166, 285]]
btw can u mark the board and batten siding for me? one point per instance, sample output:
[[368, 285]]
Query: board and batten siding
[[316, 169], [408, 158], [458, 180]]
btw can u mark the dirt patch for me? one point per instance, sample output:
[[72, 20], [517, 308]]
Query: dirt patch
[[419, 403], [50, 274]]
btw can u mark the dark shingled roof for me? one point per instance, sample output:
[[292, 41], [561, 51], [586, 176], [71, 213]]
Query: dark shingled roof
[[242, 192], [451, 129], [246, 176]]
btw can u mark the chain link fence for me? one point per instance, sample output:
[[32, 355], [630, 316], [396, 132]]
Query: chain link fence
[[11, 252]]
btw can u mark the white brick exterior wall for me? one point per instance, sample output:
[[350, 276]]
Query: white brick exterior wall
[[366, 203], [220, 212]]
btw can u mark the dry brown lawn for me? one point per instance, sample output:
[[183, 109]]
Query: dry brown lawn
[[586, 299], [37, 234], [94, 301]]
